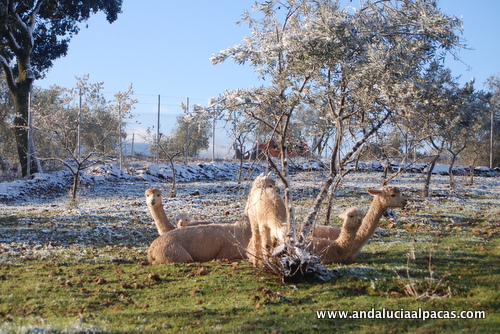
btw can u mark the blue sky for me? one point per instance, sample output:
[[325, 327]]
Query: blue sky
[[163, 48]]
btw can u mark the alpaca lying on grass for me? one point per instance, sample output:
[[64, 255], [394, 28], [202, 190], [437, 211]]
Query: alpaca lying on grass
[[339, 250], [326, 232], [267, 214], [194, 243], [201, 243], [387, 197]]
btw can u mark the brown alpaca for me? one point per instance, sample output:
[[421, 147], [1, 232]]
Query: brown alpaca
[[326, 232], [387, 197], [154, 202], [384, 198], [267, 214], [201, 243], [163, 224], [194, 243], [339, 250]]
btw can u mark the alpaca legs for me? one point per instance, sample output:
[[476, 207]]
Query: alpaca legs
[[254, 247]]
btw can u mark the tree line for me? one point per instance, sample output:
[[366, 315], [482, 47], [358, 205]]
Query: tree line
[[353, 83]]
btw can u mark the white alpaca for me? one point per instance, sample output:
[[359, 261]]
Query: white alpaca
[[267, 214], [339, 250]]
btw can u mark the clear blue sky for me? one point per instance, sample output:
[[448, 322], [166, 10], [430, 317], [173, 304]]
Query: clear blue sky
[[163, 48]]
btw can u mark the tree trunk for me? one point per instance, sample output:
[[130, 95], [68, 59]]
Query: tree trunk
[[76, 176], [20, 127], [429, 175], [173, 188], [450, 172]]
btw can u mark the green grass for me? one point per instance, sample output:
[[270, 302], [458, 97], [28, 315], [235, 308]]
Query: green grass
[[234, 297], [443, 249]]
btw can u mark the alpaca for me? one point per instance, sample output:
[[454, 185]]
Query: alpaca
[[387, 197], [339, 250], [326, 232], [163, 224], [266, 213], [201, 243], [154, 203], [384, 198], [194, 243], [183, 220]]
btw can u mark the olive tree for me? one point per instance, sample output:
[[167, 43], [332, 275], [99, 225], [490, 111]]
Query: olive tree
[[354, 65], [76, 125]]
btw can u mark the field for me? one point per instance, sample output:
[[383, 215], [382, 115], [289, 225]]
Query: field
[[82, 268]]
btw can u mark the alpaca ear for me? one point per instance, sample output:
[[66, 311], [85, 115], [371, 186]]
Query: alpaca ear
[[374, 192], [269, 175], [342, 215]]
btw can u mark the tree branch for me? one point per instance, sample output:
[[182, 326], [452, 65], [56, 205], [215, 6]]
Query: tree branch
[[8, 74]]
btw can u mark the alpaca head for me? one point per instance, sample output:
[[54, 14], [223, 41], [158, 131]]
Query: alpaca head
[[153, 197], [353, 218], [263, 181], [389, 197], [182, 219]]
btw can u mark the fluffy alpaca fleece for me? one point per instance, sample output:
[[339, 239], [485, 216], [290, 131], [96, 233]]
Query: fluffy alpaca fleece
[[201, 243], [267, 214], [326, 232], [154, 203], [335, 251]]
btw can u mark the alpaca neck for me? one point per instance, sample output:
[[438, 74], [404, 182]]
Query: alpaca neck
[[162, 223], [243, 231], [370, 221], [345, 239]]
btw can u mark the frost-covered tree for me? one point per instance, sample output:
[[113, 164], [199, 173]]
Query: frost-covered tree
[[196, 130], [444, 117], [75, 125], [493, 84], [122, 107], [33, 33], [354, 65], [469, 118], [7, 145], [241, 129]]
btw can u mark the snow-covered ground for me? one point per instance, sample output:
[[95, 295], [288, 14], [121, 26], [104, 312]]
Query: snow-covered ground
[[37, 220], [54, 185]]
